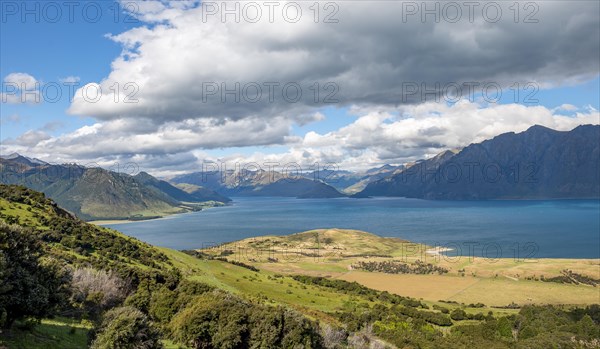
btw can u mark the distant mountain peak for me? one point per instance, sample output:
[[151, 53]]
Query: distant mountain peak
[[445, 153], [145, 175], [384, 168], [11, 156], [23, 159], [540, 129]]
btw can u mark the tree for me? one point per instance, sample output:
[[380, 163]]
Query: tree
[[29, 286], [224, 321], [97, 290], [204, 324], [126, 328], [458, 314], [587, 328]]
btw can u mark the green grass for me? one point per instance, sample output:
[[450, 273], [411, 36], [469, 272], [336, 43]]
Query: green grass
[[264, 284], [277, 289], [50, 334], [26, 217]]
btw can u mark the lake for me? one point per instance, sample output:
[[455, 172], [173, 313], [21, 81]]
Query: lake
[[548, 228]]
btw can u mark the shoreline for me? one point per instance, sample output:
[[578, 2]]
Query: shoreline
[[438, 250], [103, 222]]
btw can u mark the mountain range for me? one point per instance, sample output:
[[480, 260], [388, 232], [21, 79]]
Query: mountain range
[[260, 183], [314, 184], [96, 193], [539, 163]]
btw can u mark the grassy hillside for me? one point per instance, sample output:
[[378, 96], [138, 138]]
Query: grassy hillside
[[73, 241], [216, 298]]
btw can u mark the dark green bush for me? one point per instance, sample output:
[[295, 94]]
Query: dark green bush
[[458, 314], [29, 286], [220, 320], [125, 328]]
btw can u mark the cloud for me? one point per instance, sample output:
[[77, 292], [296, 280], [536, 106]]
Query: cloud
[[30, 138], [19, 88], [70, 79], [15, 97], [413, 132], [177, 66], [377, 136], [13, 118], [22, 81], [565, 107], [52, 125], [124, 136]]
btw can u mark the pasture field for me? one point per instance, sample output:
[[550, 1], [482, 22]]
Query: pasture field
[[468, 289], [335, 253]]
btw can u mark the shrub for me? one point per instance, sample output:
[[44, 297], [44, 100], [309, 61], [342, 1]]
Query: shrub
[[458, 314], [165, 303], [222, 320], [126, 328], [444, 310]]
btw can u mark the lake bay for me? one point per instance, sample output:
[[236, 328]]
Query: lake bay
[[508, 229]]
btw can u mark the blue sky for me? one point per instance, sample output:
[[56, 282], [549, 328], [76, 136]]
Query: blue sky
[[53, 51]]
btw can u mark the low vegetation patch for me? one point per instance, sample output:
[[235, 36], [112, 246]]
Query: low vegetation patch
[[239, 264], [570, 277], [395, 267], [202, 255]]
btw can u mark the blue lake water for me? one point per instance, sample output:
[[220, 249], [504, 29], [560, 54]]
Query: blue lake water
[[549, 228]]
